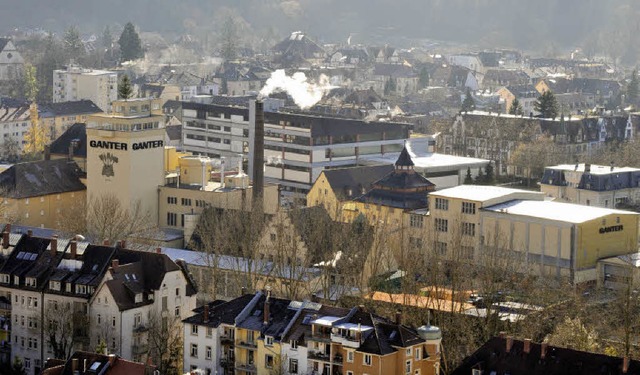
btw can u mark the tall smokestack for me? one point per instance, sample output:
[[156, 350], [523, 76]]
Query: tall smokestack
[[258, 154]]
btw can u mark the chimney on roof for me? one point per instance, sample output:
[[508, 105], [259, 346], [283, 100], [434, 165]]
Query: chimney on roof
[[47, 152], [509, 343], [398, 317], [114, 264], [112, 359], [612, 167], [74, 366], [625, 365], [74, 249], [206, 313], [158, 250], [84, 365], [265, 318], [72, 147], [502, 334], [258, 155], [543, 350], [29, 233], [54, 245], [527, 345], [123, 244], [106, 242], [8, 228], [587, 168], [243, 291], [5, 240]]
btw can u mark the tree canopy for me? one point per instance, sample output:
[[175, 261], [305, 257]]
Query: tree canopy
[[468, 104], [130, 43], [516, 108], [125, 90], [547, 105]]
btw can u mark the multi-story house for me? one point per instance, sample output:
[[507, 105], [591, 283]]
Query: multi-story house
[[15, 117], [11, 62], [592, 185], [271, 335], [297, 146], [61, 292], [77, 83], [58, 117]]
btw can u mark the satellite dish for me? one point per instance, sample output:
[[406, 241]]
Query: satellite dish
[[334, 330]]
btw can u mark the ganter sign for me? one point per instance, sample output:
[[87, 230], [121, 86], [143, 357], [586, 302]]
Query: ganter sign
[[109, 145]]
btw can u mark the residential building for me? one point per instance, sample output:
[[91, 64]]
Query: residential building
[[89, 363], [556, 239], [506, 355], [71, 145], [297, 50], [77, 83], [526, 94], [495, 78], [601, 91], [11, 62], [58, 117], [15, 119], [53, 283], [592, 185], [399, 79], [260, 334], [473, 62], [38, 193]]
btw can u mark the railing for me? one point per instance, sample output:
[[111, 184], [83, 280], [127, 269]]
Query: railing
[[247, 367], [319, 336], [319, 356], [247, 344], [226, 340]]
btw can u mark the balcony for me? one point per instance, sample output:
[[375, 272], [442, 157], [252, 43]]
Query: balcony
[[251, 345], [226, 340], [246, 367], [337, 360], [227, 362], [139, 349], [319, 356], [319, 336]]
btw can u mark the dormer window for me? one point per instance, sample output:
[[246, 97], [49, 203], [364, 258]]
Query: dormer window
[[54, 285], [68, 289], [16, 280], [30, 281], [138, 298], [81, 289], [4, 278]]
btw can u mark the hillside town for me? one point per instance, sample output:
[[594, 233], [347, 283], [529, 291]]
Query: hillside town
[[216, 201]]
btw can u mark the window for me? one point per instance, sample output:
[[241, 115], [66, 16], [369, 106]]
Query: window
[[268, 340], [350, 356], [294, 345], [27, 363], [209, 331], [366, 359], [468, 208], [293, 366], [178, 292], [172, 219], [177, 312], [194, 349], [113, 322], [468, 229], [442, 225], [349, 372], [442, 204], [441, 248], [418, 353], [208, 352], [172, 200], [99, 319], [186, 201], [268, 361], [407, 367], [137, 320], [416, 221], [194, 329], [408, 352]]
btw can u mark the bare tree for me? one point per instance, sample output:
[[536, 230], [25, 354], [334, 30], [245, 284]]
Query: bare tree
[[65, 326], [165, 343]]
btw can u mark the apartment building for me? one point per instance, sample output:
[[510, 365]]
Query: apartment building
[[297, 146], [15, 119], [261, 334], [64, 296], [58, 117], [550, 238], [592, 185], [76, 83]]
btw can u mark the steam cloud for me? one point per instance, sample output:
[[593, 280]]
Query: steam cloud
[[305, 93]]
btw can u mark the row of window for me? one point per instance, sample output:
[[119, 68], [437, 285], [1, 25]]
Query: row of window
[[442, 225], [467, 207]]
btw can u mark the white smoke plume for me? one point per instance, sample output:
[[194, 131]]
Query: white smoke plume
[[305, 93]]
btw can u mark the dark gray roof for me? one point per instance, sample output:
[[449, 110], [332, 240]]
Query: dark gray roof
[[348, 183], [3, 43], [174, 132], [79, 107], [39, 178], [77, 132]]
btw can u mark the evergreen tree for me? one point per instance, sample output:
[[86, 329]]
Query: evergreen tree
[[489, 177], [424, 77], [107, 38], [229, 39], [125, 91], [468, 104], [480, 177], [130, 44], [390, 86], [516, 107], [468, 180], [547, 105], [101, 348], [73, 47], [633, 88]]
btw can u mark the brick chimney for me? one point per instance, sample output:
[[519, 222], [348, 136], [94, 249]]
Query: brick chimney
[[74, 249], [5, 240], [206, 313], [265, 318], [509, 343], [123, 244], [74, 365], [158, 250], [114, 264], [502, 334], [527, 345], [54, 245], [29, 233], [625, 365], [398, 317], [112, 359], [106, 242], [543, 350]]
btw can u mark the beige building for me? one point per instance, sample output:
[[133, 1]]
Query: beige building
[[551, 238], [592, 185], [76, 83], [125, 154]]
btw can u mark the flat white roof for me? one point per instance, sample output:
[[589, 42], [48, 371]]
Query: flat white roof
[[481, 193], [595, 169], [326, 320], [566, 212]]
